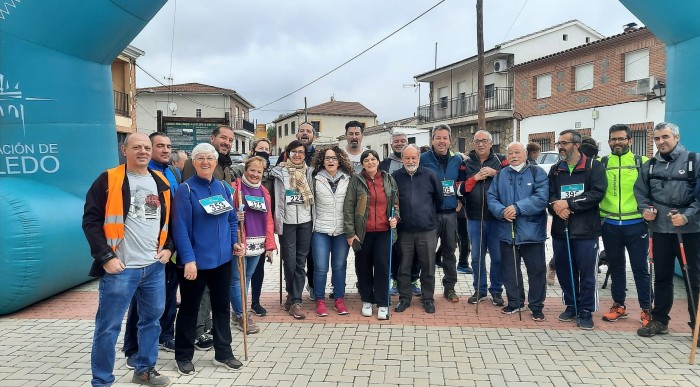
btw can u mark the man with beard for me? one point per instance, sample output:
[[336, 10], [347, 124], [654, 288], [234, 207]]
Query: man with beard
[[306, 135], [666, 183], [577, 184], [353, 134], [623, 226]]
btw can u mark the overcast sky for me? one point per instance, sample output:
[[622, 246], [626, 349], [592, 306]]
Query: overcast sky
[[265, 49]]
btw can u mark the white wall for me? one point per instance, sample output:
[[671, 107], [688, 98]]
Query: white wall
[[548, 43], [148, 104], [378, 141], [331, 127]]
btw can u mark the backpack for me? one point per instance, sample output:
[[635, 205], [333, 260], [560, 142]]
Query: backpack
[[637, 161], [689, 178]]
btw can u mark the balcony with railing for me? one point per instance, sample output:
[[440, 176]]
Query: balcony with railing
[[498, 98], [121, 104]]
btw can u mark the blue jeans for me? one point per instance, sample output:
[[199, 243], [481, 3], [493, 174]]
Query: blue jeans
[[250, 263], [481, 240], [115, 293], [323, 246]]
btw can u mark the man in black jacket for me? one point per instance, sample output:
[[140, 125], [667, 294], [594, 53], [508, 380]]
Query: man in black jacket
[[577, 185], [420, 194]]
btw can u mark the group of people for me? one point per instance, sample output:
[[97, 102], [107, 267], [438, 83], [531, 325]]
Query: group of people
[[151, 224]]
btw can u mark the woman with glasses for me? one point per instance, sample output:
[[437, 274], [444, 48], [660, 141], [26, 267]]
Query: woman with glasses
[[293, 201], [331, 175], [205, 233], [367, 218]]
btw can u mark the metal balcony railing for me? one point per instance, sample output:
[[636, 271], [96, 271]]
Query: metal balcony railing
[[498, 98], [121, 104]]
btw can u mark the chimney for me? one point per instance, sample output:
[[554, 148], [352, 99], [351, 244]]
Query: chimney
[[630, 27], [332, 97]]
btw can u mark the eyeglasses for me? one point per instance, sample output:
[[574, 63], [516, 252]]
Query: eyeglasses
[[330, 158], [482, 142], [618, 139], [201, 159], [564, 143], [297, 152]]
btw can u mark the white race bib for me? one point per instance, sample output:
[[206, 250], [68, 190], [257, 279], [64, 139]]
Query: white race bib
[[571, 190], [215, 205], [256, 203], [448, 187], [293, 197]]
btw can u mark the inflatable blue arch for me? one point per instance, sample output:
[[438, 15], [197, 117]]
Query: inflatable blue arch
[[57, 133]]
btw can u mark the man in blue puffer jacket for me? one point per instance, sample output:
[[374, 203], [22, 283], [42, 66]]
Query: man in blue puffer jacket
[[518, 198]]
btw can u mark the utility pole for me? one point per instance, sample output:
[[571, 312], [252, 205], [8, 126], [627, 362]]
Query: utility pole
[[480, 63]]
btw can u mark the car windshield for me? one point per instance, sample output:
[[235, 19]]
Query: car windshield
[[548, 158]]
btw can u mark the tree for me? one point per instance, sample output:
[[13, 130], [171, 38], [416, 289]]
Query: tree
[[271, 132]]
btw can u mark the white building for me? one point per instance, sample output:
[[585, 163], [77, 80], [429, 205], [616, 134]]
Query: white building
[[379, 137]]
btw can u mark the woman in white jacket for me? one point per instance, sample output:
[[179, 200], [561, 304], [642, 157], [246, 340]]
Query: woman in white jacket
[[331, 175]]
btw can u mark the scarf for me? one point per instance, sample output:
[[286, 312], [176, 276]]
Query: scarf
[[297, 179], [248, 183], [225, 160]]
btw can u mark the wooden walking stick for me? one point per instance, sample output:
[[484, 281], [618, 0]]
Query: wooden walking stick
[[241, 274]]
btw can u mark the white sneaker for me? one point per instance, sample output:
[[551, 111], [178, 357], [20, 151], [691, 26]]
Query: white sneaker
[[367, 309], [383, 313]]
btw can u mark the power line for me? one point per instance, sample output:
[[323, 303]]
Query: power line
[[349, 60], [513, 23]]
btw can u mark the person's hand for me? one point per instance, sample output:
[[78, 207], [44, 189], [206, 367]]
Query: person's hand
[[392, 222], [509, 213], [164, 255], [649, 214], [239, 249], [678, 220], [459, 206], [114, 266], [559, 205], [564, 214], [488, 171], [240, 215], [353, 239], [191, 271], [268, 255]]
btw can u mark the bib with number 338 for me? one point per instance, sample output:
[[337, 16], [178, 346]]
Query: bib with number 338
[[215, 205], [571, 190], [293, 197]]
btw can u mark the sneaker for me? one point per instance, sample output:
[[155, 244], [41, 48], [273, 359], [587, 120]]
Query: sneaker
[[321, 309], [258, 309], [497, 300], [451, 295], [568, 314], [251, 327], [415, 288], [232, 363], [645, 317], [551, 275], [309, 289], [476, 297], [653, 328], [367, 309], [585, 321], [394, 291], [429, 307], [511, 309], [131, 362], [382, 313], [617, 311], [464, 269], [340, 306], [150, 377], [296, 312], [185, 368], [538, 316], [168, 346], [287, 303], [204, 342]]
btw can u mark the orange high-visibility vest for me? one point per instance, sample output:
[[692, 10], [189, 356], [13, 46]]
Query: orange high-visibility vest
[[114, 209]]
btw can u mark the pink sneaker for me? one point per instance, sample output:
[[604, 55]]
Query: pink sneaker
[[321, 308], [340, 306]]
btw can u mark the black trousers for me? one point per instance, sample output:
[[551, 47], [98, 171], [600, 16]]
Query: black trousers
[[421, 245], [535, 264], [464, 244], [219, 282], [256, 281], [372, 265]]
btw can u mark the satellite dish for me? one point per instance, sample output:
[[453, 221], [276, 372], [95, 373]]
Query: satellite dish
[[172, 106]]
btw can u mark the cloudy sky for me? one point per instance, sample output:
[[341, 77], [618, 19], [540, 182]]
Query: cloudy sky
[[265, 49]]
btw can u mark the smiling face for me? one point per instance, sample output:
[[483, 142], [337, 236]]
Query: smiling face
[[305, 134], [566, 147], [411, 159], [441, 141], [296, 155], [665, 140], [619, 142], [516, 154], [222, 141], [204, 164], [482, 144], [254, 172], [398, 143], [137, 151], [370, 164]]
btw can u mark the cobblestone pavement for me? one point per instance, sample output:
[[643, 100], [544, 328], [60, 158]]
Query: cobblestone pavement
[[48, 344]]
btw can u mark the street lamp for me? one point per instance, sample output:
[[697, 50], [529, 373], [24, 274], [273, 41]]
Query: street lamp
[[659, 90]]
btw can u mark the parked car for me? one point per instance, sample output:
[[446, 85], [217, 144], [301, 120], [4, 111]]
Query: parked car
[[273, 160], [236, 158], [547, 159]]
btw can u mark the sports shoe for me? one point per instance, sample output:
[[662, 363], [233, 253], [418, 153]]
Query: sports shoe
[[394, 288], [131, 362], [476, 297], [150, 377], [464, 269], [168, 346], [429, 307], [309, 289], [340, 307], [252, 328], [617, 311], [645, 317], [232, 363], [382, 313], [654, 327], [451, 295], [415, 288], [204, 342], [321, 309], [185, 368], [538, 316], [258, 309], [510, 309], [497, 300], [367, 309], [568, 314], [551, 275], [585, 320], [296, 312]]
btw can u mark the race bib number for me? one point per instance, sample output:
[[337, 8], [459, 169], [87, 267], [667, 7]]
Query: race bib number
[[293, 197], [256, 203], [448, 187], [571, 190], [215, 205]]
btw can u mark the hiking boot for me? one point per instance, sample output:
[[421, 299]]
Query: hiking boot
[[510, 309], [312, 296], [415, 288], [150, 377], [252, 328], [394, 288], [568, 314], [287, 303], [382, 313], [653, 328], [258, 309], [476, 297], [585, 320], [232, 363], [204, 342], [321, 309], [551, 275], [340, 307], [645, 317], [367, 309], [131, 362], [168, 345], [617, 311], [464, 269], [497, 300], [538, 316], [429, 307], [185, 368], [451, 295], [296, 312]]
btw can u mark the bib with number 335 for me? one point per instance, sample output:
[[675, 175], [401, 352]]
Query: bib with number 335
[[571, 190], [215, 205]]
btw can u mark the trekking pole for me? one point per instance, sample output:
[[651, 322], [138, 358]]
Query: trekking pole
[[672, 212], [391, 242], [571, 268], [481, 247], [515, 264], [650, 258], [696, 330], [241, 275], [281, 274]]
